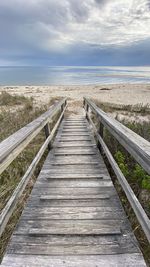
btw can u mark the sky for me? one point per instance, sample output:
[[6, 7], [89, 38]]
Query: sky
[[74, 32]]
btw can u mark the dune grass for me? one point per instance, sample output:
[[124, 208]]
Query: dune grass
[[142, 109], [7, 99]]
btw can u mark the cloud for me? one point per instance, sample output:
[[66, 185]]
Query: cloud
[[44, 28]]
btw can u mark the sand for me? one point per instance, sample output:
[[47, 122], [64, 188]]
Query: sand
[[116, 93]]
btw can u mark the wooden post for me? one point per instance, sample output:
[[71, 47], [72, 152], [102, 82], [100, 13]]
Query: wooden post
[[84, 103], [47, 133], [101, 133], [62, 108], [87, 110]]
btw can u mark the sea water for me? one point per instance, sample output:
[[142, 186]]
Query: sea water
[[72, 75]]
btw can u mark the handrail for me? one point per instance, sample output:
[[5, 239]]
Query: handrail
[[12, 146], [40, 123], [137, 146], [120, 131]]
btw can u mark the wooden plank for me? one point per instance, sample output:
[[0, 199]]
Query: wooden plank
[[69, 227], [72, 130], [76, 152], [74, 163], [64, 240], [75, 176], [74, 134], [65, 152], [102, 243], [74, 145], [73, 124], [71, 169], [73, 201], [74, 197], [75, 127], [72, 213], [77, 197], [77, 138], [74, 183], [116, 260], [76, 158], [84, 249], [82, 169], [65, 193], [37, 249], [102, 201]]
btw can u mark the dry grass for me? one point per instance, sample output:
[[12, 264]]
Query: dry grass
[[142, 109], [7, 99], [10, 123]]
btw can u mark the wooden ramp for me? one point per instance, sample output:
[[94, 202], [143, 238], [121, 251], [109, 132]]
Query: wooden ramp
[[73, 217]]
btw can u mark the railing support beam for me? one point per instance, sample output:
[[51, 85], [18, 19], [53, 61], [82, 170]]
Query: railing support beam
[[47, 133]]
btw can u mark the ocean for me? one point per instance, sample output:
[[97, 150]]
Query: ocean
[[70, 75]]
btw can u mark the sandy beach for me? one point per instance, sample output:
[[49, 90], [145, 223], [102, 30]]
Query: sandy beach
[[116, 93]]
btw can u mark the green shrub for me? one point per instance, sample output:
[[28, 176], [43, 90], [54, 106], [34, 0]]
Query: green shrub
[[141, 177], [137, 174], [121, 162]]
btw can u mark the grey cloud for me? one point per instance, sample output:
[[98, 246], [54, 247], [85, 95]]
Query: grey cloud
[[79, 10], [38, 28], [102, 2]]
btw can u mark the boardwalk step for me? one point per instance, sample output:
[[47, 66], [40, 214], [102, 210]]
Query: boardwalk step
[[117, 260], [72, 197], [75, 176], [86, 227], [72, 213]]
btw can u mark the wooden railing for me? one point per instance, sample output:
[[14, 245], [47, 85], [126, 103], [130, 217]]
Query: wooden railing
[[137, 146], [11, 147]]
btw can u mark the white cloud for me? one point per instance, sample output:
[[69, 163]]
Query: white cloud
[[54, 25]]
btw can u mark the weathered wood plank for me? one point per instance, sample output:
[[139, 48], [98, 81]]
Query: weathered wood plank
[[76, 138], [74, 183], [73, 201], [102, 244], [72, 249], [73, 213], [69, 227], [75, 176], [117, 260], [75, 134], [74, 145], [78, 196], [73, 153], [91, 192]]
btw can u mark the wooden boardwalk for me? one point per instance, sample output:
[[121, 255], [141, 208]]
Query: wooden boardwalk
[[73, 217]]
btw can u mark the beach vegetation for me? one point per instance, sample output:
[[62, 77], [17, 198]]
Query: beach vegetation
[[140, 108], [7, 99]]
